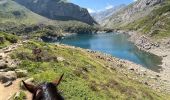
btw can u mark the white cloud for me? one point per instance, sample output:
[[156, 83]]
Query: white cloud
[[109, 7], [90, 10], [135, 0]]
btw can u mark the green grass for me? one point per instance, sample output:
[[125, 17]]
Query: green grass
[[20, 96], [7, 39], [86, 77], [13, 12]]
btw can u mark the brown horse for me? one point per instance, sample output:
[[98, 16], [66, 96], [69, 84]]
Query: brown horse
[[45, 91]]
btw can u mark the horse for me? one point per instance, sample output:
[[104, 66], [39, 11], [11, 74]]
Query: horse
[[45, 91]]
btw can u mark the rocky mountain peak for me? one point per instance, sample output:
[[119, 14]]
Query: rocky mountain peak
[[141, 4]]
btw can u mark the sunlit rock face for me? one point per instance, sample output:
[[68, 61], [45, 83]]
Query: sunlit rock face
[[58, 10], [132, 12]]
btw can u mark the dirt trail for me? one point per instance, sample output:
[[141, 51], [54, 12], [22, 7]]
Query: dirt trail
[[7, 92]]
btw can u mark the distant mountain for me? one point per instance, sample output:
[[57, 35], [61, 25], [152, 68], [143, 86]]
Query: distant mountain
[[58, 10], [102, 15], [146, 16], [28, 16]]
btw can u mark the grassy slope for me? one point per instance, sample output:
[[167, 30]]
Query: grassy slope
[[13, 12], [86, 77], [157, 23]]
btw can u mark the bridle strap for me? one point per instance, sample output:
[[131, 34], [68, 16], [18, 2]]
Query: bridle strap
[[35, 92]]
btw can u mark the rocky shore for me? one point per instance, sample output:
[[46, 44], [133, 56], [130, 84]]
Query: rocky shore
[[159, 47]]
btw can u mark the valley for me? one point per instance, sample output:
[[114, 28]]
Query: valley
[[119, 53]]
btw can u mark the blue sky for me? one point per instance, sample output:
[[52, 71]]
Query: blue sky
[[98, 5]]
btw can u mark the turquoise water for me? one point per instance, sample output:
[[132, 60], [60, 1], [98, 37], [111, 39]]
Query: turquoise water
[[117, 45]]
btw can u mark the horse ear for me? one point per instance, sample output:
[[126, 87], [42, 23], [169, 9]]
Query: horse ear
[[57, 82], [29, 87]]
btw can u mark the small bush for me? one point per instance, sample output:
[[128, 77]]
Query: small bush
[[11, 38]]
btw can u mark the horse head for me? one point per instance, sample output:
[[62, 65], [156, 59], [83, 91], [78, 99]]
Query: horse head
[[45, 91]]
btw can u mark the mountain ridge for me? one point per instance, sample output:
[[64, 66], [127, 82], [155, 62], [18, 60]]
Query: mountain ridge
[[58, 10], [144, 16]]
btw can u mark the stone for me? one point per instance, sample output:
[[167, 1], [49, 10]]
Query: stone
[[132, 69], [1, 57], [147, 47], [2, 39], [146, 83], [157, 45], [21, 73], [120, 65], [164, 55], [3, 65], [19, 96], [7, 51], [8, 84], [158, 76], [3, 70], [60, 59], [29, 81], [153, 78], [7, 76]]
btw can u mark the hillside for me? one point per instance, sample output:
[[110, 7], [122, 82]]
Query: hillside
[[10, 11], [146, 16], [58, 10], [88, 75]]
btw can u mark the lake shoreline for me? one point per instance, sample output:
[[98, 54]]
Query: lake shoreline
[[161, 49], [130, 69], [162, 80]]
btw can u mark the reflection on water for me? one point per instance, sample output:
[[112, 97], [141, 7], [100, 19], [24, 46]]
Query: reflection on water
[[116, 45]]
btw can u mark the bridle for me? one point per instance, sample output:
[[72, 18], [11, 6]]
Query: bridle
[[37, 91], [47, 88]]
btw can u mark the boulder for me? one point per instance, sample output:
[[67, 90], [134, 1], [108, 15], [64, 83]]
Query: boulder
[[2, 40], [60, 59], [146, 83], [7, 76], [29, 81], [164, 55], [8, 84], [132, 69], [158, 75], [7, 51], [3, 70], [21, 73], [3, 65], [1, 57]]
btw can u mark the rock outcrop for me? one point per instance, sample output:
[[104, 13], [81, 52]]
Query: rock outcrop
[[58, 10]]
